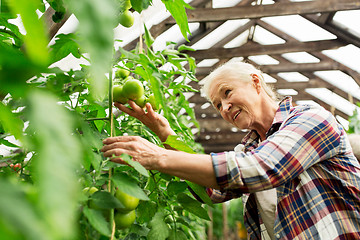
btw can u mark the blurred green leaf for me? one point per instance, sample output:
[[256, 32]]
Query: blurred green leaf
[[192, 206], [7, 143], [15, 70], [36, 39], [96, 21], [128, 185], [97, 220], [10, 122], [16, 211], [159, 229], [55, 164], [64, 45]]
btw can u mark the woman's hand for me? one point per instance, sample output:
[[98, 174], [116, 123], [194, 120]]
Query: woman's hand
[[156, 122], [146, 153], [197, 168]]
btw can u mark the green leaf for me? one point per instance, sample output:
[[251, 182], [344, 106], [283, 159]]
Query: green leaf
[[159, 229], [96, 22], [36, 39], [149, 40], [128, 185], [183, 47], [16, 211], [137, 166], [58, 156], [97, 220], [64, 45], [177, 10], [192, 206], [174, 142], [146, 211], [104, 200], [7, 143], [200, 192], [10, 122], [173, 188], [177, 235], [140, 5]]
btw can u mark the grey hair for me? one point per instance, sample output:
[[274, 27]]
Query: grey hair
[[236, 70]]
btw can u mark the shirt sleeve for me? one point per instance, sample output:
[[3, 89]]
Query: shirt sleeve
[[304, 139]]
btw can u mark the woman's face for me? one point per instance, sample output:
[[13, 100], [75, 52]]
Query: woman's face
[[237, 101]]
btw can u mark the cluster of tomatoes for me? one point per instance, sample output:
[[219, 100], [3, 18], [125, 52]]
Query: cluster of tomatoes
[[132, 89], [124, 217]]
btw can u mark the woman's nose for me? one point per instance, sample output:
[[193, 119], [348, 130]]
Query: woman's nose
[[226, 106]]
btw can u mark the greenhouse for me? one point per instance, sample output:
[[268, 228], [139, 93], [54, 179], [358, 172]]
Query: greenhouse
[[176, 119]]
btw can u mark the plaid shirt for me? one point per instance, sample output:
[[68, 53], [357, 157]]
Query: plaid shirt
[[310, 163]]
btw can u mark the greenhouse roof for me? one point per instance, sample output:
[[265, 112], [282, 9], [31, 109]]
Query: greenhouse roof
[[307, 49]]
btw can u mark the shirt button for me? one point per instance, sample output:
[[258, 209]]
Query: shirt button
[[277, 235]]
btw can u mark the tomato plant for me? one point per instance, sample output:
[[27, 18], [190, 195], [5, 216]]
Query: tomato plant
[[53, 121]]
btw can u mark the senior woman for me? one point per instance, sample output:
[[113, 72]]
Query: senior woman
[[299, 155]]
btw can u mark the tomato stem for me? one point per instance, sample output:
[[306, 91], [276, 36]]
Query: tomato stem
[[110, 186]]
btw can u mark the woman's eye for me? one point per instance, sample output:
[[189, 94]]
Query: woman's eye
[[227, 92]]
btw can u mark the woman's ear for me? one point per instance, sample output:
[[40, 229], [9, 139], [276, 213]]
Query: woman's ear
[[256, 82]]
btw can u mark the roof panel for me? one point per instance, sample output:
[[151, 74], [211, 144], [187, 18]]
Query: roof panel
[[304, 30]]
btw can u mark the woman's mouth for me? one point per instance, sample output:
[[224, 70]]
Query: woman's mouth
[[236, 114]]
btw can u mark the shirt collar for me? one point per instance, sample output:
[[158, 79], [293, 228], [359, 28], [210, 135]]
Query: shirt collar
[[284, 110]]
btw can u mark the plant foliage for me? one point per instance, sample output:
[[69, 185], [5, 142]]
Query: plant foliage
[[52, 123]]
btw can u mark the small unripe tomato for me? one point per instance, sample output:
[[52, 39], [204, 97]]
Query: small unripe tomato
[[124, 220], [129, 202], [122, 73], [132, 89], [152, 101], [90, 190], [118, 94], [141, 101]]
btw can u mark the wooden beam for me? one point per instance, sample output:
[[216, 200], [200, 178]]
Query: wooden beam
[[277, 9], [285, 67], [252, 49]]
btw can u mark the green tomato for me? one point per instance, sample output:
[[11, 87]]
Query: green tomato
[[90, 190], [132, 89], [126, 18], [122, 73], [141, 101], [118, 94], [124, 220], [129, 202], [152, 101], [125, 4]]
